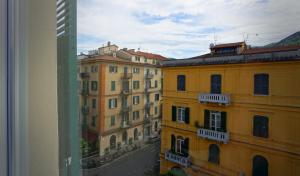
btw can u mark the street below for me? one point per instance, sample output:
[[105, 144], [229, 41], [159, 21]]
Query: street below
[[141, 162]]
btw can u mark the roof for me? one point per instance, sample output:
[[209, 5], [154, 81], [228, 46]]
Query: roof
[[271, 49], [147, 55], [228, 45], [289, 53], [107, 58]]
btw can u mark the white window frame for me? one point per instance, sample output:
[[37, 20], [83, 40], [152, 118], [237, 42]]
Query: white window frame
[[112, 103], [136, 100], [215, 120], [179, 150], [113, 69], [180, 114]]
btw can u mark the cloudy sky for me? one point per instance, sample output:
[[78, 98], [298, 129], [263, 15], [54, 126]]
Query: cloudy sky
[[184, 28]]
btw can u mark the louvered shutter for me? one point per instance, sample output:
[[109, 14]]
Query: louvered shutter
[[174, 113], [187, 115], [206, 119], [173, 141], [223, 121]]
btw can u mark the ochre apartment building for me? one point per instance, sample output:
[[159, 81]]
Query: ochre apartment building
[[234, 111], [120, 97]]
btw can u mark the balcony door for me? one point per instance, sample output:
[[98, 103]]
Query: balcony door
[[215, 121]]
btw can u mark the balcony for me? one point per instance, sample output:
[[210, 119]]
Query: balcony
[[215, 98], [213, 135], [125, 124], [149, 75], [147, 120], [175, 158], [148, 105], [84, 75], [85, 109], [126, 91], [125, 108], [126, 75], [84, 92]]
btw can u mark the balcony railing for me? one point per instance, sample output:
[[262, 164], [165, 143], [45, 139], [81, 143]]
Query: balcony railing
[[147, 120], [85, 110], [148, 105], [126, 75], [126, 91], [175, 158], [84, 75], [215, 98], [125, 124], [84, 92], [213, 135], [149, 75], [125, 108]]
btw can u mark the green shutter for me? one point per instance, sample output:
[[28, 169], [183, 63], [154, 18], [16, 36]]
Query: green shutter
[[187, 115], [174, 113], [173, 142], [223, 121], [206, 119]]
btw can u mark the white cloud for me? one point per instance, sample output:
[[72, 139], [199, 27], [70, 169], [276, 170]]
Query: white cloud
[[183, 28]]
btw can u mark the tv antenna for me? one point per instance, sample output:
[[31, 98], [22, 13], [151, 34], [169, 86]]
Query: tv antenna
[[215, 39]]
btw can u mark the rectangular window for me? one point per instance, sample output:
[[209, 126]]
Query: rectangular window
[[145, 60], [155, 84], [181, 82], [180, 114], [136, 100], [113, 85], [261, 84], [261, 126], [136, 115], [94, 85], [215, 120], [112, 103], [94, 68], [113, 121], [155, 110], [156, 97], [179, 146], [113, 69], [136, 70], [215, 83], [156, 71], [94, 102], [136, 84]]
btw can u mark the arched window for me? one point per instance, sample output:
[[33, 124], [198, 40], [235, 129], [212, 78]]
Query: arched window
[[136, 134], [113, 141], [214, 154], [260, 166], [124, 136]]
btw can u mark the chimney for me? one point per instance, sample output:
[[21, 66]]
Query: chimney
[[108, 43], [124, 49]]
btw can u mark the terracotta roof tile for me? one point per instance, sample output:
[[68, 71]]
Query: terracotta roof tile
[[147, 55]]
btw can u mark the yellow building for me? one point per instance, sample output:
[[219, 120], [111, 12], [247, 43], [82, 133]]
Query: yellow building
[[120, 97], [234, 111]]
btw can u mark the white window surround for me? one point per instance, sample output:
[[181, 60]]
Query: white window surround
[[180, 114], [113, 103], [136, 100], [179, 143], [215, 120]]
